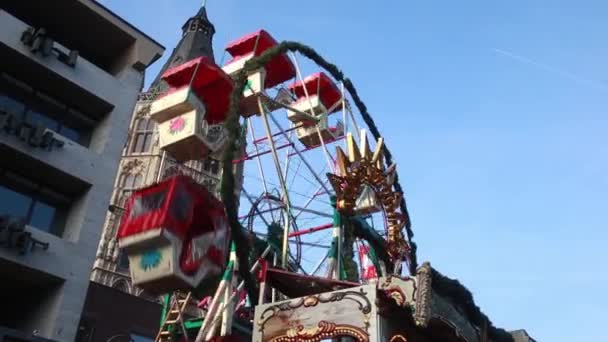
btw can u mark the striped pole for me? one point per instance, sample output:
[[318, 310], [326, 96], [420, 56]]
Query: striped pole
[[227, 314], [215, 302], [336, 242], [262, 279]]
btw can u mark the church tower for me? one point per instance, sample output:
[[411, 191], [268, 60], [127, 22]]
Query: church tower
[[196, 41], [143, 163]]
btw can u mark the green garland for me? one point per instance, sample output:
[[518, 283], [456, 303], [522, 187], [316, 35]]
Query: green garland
[[462, 297], [363, 231], [348, 255], [232, 126]]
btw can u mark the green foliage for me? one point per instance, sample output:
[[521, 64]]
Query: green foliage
[[275, 236], [348, 256], [363, 231]]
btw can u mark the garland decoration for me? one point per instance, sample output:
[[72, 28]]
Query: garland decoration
[[462, 297], [348, 255]]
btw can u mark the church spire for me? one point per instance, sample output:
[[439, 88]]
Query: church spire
[[196, 41]]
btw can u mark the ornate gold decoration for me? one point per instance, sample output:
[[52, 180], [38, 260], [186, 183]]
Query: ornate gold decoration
[[324, 330], [393, 291], [311, 301], [398, 338], [359, 297], [423, 297], [362, 168], [396, 288]]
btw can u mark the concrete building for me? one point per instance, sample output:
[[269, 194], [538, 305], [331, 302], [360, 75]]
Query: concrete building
[[70, 74], [143, 163]]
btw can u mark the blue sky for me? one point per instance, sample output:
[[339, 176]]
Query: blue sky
[[496, 112]]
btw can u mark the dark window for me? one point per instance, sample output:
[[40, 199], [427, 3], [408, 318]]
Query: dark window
[[123, 261], [215, 166], [37, 108], [70, 133], [207, 165], [42, 216], [42, 207], [14, 203], [141, 338], [128, 183], [211, 165], [142, 136], [146, 203], [181, 204], [131, 181], [9, 104]]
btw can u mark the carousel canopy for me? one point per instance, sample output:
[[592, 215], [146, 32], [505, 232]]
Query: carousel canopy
[[209, 82], [318, 84], [278, 70]]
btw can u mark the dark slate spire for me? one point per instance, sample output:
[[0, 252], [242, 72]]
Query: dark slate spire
[[197, 39]]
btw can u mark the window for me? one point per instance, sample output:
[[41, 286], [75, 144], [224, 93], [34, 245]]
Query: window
[[121, 285], [123, 261], [211, 165], [37, 108], [131, 181], [142, 137], [128, 183], [181, 204], [40, 206], [141, 338], [144, 204], [209, 184]]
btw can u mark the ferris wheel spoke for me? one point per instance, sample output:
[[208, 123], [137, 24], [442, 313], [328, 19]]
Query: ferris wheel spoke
[[281, 180], [295, 174], [310, 168], [311, 199], [293, 192], [257, 151], [329, 159], [287, 153], [251, 201]]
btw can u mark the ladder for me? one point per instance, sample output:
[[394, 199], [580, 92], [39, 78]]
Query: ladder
[[175, 315]]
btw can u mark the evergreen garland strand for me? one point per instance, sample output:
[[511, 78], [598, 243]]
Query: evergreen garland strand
[[462, 297], [348, 255]]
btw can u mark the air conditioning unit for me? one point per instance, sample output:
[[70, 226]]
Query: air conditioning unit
[[70, 58]]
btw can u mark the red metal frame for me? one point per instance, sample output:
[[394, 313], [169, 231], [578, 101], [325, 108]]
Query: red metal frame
[[311, 230]]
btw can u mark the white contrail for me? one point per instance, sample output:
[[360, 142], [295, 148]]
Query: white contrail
[[563, 73]]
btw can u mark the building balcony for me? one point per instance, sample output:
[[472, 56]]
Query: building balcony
[[84, 83]]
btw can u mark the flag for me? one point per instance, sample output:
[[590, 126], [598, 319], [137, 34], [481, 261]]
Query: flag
[[367, 265]]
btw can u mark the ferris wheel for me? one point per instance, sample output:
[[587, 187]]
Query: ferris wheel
[[293, 125], [309, 194]]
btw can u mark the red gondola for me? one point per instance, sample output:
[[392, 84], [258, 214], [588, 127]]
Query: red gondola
[[276, 71], [176, 236], [323, 96]]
